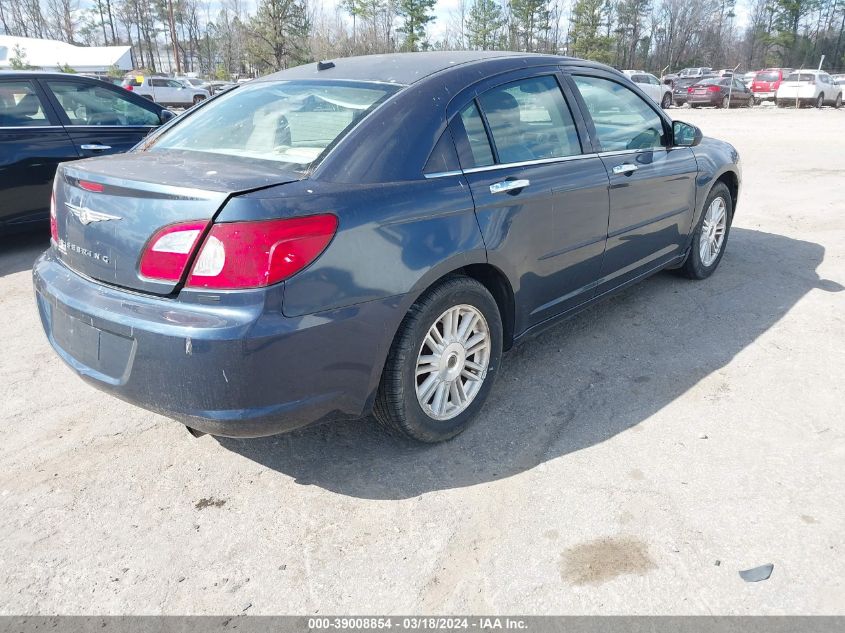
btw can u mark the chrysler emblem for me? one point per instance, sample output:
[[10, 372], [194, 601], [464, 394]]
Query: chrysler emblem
[[87, 216]]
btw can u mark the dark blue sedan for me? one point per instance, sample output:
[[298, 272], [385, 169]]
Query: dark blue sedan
[[369, 235]]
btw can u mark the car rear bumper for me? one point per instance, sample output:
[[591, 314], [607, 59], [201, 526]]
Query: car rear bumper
[[240, 370], [764, 96], [704, 100]]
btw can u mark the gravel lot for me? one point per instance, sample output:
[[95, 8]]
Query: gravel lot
[[629, 461]]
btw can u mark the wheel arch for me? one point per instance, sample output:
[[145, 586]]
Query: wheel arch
[[731, 181]]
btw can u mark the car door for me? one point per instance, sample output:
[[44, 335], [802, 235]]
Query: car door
[[741, 93], [652, 185], [540, 199], [162, 92], [178, 93], [32, 144], [99, 118]]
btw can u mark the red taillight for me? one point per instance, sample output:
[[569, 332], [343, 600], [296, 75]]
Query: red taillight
[[690, 89], [54, 224], [91, 186], [255, 254], [712, 88], [167, 253], [128, 87]]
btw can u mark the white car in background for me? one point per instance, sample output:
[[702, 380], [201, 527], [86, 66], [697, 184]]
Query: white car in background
[[652, 86], [165, 91], [809, 87]]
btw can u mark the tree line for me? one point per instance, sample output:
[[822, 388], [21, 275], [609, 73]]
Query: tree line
[[230, 39]]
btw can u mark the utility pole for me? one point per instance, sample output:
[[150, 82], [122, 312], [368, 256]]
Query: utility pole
[[173, 36]]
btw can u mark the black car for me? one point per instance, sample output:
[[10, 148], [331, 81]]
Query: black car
[[369, 235], [49, 118]]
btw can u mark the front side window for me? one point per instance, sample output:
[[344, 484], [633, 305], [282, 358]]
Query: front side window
[[529, 120], [20, 106], [622, 120], [291, 123], [88, 104]]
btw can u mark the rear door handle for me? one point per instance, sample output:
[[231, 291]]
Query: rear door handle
[[626, 168], [509, 185], [95, 147]]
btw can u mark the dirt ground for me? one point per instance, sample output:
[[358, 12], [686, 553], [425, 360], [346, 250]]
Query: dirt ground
[[630, 461]]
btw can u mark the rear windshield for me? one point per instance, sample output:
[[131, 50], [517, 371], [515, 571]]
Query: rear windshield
[[712, 81], [292, 123], [767, 76], [801, 77]]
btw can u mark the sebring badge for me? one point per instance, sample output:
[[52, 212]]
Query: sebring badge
[[87, 216]]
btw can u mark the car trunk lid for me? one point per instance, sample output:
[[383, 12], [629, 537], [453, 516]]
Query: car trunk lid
[[107, 209]]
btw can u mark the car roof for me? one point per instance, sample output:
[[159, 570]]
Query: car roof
[[43, 73], [408, 68]]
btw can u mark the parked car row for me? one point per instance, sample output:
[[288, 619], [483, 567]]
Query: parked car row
[[780, 85]]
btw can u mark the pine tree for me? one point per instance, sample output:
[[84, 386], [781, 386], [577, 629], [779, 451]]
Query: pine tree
[[530, 21], [279, 30], [484, 24], [586, 39], [416, 14]]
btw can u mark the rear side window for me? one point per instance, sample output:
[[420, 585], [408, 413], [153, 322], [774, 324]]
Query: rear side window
[[89, 104], [286, 122], [20, 105], [806, 77], [443, 157], [479, 146], [621, 118], [529, 120]]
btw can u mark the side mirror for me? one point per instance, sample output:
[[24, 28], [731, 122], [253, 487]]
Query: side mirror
[[685, 134], [165, 115]]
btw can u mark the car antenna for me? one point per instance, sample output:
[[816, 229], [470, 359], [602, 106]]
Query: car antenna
[[324, 65]]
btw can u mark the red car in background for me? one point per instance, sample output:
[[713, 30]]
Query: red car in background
[[766, 83]]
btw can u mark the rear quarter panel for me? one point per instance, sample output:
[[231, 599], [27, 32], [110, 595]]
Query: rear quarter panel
[[392, 239]]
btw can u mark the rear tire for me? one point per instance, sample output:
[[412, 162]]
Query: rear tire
[[726, 103], [198, 99], [666, 102], [820, 101], [416, 355], [701, 263], [838, 103]]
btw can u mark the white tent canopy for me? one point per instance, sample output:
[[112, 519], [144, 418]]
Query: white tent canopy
[[51, 54]]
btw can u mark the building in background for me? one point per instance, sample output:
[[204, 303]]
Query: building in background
[[53, 55]]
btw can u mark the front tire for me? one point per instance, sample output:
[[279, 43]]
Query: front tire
[[710, 237], [442, 363], [838, 103], [198, 99]]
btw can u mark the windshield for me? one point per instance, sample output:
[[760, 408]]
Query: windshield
[[287, 122]]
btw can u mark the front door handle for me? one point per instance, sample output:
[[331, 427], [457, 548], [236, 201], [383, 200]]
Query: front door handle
[[509, 185], [626, 168], [95, 147]]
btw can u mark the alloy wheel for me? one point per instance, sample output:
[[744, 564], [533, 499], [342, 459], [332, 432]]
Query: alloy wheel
[[713, 231], [452, 362]]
